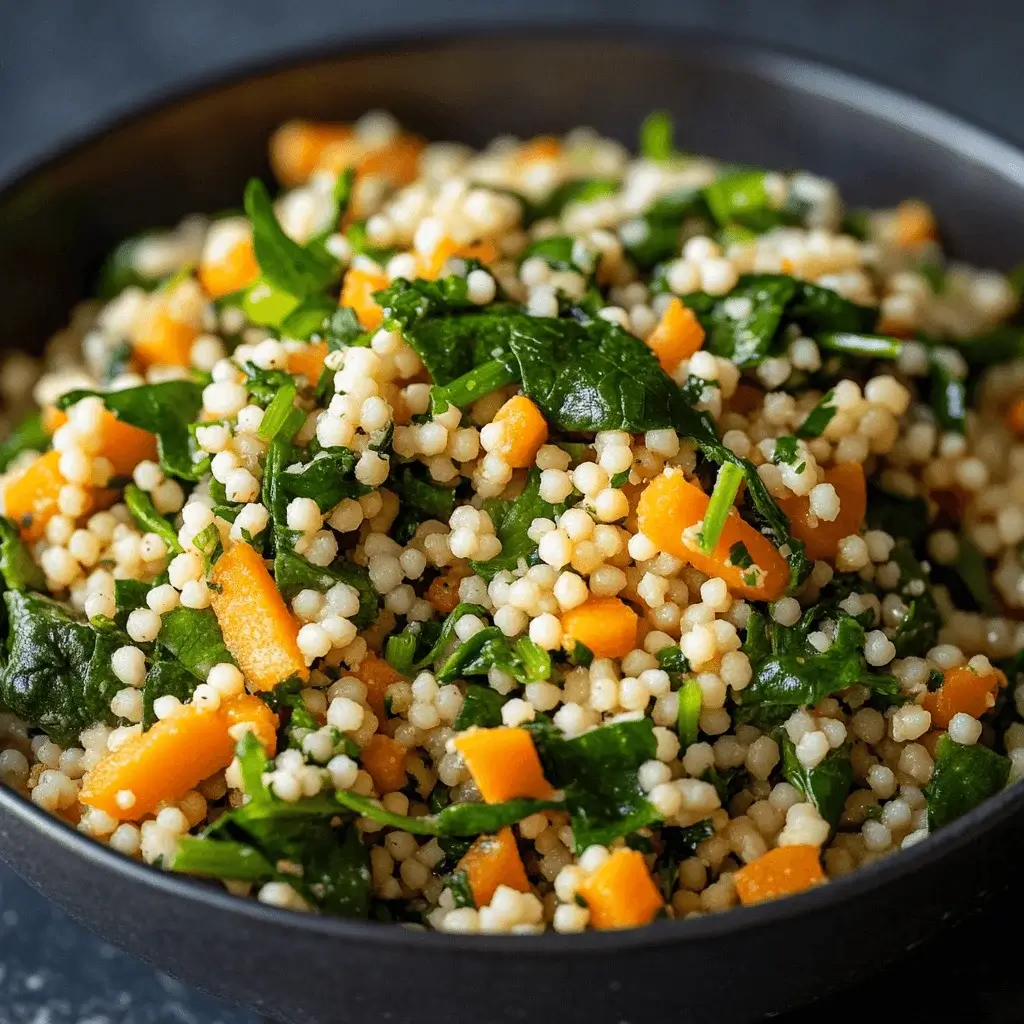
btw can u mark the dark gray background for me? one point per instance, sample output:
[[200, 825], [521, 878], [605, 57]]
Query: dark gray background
[[66, 65]]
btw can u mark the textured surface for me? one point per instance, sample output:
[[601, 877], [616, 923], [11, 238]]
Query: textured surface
[[65, 64]]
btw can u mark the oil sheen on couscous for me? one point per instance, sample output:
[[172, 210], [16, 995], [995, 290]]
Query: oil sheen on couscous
[[543, 537]]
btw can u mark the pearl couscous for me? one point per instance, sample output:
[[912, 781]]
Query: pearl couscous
[[535, 538]]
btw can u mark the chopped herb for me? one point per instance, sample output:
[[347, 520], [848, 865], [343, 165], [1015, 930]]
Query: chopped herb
[[826, 785], [28, 436], [691, 697], [730, 476], [482, 706], [140, 504], [818, 418]]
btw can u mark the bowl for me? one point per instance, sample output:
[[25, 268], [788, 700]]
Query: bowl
[[194, 153]]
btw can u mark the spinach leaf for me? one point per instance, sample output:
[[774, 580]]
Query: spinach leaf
[[801, 676], [28, 436], [16, 566], [971, 568], [656, 235], [901, 517], [816, 310], [293, 268], [433, 500], [596, 376], [818, 418], [335, 865], [512, 521], [561, 252], [166, 678], [164, 409], [453, 820], [57, 675], [310, 318], [743, 325], [193, 636], [656, 131], [741, 198], [344, 329], [826, 785], [963, 777], [678, 845], [579, 190], [427, 644], [146, 517], [948, 397], [327, 478], [490, 648], [598, 772], [293, 573], [482, 707], [918, 630]]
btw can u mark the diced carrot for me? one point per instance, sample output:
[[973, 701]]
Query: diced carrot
[[398, 162], [670, 504], [308, 360], [821, 540], [504, 764], [606, 625], [430, 267], [30, 498], [174, 756], [915, 224], [377, 675], [779, 872], [443, 593], [384, 759], [525, 431], [542, 149], [164, 340], [230, 270], [963, 691], [53, 418], [258, 628], [297, 148], [357, 292], [677, 336], [492, 861], [1015, 417], [621, 892], [125, 445]]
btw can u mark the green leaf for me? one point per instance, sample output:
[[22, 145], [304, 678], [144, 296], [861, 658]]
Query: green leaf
[[327, 478], [482, 706], [798, 675], [971, 568], [826, 785], [293, 573], [193, 636], [344, 330], [741, 198], [140, 504], [221, 858], [57, 675], [561, 252], [743, 325], [818, 418], [948, 397], [18, 569], [918, 630], [862, 346], [490, 648], [285, 264], [433, 500], [28, 436], [453, 820], [598, 772], [579, 190], [165, 409], [166, 678], [963, 777], [898, 516], [512, 521], [656, 131], [309, 319], [727, 486], [691, 697], [679, 844], [277, 412], [656, 236], [429, 645]]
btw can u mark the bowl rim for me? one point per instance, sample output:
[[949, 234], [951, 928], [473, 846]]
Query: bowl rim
[[775, 63]]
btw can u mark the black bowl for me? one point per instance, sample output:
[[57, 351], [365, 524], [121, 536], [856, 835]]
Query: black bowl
[[728, 100]]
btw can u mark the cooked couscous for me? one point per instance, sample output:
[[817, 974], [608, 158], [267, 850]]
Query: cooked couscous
[[535, 538]]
